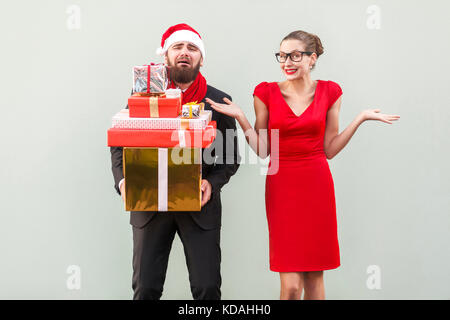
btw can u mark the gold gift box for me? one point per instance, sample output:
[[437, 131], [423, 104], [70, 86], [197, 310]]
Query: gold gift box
[[162, 179]]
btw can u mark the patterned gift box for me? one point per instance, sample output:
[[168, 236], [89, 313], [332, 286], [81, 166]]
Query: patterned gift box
[[162, 138], [122, 120], [152, 78], [192, 109], [153, 106], [162, 179]]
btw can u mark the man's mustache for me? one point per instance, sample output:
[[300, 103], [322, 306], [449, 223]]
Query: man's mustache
[[174, 65]]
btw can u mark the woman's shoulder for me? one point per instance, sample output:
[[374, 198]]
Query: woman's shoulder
[[263, 91], [332, 85], [333, 91], [264, 85]]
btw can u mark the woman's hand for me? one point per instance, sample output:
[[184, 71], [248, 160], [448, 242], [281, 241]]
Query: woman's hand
[[374, 114], [229, 109]]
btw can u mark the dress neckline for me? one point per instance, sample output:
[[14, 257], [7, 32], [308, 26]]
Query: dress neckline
[[289, 107]]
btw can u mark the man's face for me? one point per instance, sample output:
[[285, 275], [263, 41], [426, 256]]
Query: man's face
[[184, 61]]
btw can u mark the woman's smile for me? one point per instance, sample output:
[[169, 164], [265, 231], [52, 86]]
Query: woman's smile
[[290, 71]]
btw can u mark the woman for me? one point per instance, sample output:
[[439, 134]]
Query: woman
[[300, 199]]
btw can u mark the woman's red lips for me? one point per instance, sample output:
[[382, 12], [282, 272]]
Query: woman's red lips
[[290, 71]]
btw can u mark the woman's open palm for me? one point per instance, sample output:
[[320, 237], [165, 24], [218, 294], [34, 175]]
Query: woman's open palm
[[228, 108], [374, 114]]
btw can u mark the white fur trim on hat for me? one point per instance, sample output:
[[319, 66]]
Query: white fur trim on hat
[[182, 35]]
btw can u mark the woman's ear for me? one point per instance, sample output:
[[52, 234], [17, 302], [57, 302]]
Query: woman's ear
[[313, 59]]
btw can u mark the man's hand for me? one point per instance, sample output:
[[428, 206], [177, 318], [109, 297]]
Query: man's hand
[[206, 191], [122, 191]]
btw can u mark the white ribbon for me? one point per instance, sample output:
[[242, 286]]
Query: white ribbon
[[182, 138], [162, 179]]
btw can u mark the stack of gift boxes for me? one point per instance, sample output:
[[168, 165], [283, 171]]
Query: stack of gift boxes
[[162, 142]]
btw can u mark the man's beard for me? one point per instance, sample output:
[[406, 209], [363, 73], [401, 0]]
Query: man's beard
[[183, 74]]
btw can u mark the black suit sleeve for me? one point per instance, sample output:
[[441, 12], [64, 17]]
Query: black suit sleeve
[[227, 161], [116, 163], [117, 166]]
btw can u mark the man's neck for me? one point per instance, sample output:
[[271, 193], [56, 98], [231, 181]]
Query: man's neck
[[183, 86]]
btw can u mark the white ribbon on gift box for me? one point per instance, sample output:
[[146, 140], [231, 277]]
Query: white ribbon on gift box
[[162, 179], [182, 138], [163, 185]]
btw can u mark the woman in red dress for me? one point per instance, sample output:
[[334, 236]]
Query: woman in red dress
[[300, 199]]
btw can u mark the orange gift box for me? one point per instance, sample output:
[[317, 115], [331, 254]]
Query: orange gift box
[[162, 138], [142, 106]]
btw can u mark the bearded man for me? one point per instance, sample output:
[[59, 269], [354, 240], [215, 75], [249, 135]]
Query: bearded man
[[153, 232]]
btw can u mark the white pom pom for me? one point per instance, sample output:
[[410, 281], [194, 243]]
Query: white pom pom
[[160, 51]]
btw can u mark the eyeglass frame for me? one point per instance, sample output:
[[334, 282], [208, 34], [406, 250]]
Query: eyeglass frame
[[288, 55]]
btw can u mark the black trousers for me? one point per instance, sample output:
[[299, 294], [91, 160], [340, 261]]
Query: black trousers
[[151, 248]]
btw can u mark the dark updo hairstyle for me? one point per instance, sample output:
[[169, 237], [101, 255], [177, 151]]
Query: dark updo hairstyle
[[311, 41]]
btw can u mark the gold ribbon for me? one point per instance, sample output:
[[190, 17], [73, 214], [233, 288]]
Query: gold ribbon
[[190, 104], [153, 104], [184, 124]]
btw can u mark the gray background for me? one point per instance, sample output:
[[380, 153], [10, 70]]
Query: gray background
[[60, 88]]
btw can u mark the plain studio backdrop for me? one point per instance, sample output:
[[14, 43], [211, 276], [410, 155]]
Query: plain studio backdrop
[[66, 70]]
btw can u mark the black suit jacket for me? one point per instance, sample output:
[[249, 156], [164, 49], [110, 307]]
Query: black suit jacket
[[218, 173]]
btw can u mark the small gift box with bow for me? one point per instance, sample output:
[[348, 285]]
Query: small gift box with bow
[[192, 110], [152, 78]]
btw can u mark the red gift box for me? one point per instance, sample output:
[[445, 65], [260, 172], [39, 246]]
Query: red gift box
[[162, 138], [153, 106]]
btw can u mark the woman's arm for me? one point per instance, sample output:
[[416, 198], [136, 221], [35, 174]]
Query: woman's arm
[[256, 138], [334, 141]]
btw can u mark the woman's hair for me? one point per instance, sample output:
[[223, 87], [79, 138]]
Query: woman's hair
[[311, 41]]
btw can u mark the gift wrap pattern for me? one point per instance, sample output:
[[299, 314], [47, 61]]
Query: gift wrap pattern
[[122, 120], [162, 179], [150, 78]]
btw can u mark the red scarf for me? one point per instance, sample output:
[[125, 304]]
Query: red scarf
[[195, 92]]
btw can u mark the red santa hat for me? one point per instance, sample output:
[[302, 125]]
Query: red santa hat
[[180, 32]]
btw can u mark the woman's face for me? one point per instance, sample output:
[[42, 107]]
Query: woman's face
[[295, 69]]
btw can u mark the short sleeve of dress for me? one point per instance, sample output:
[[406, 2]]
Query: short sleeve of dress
[[334, 92], [262, 92]]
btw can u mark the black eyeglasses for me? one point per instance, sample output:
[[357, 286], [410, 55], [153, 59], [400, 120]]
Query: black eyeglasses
[[295, 56]]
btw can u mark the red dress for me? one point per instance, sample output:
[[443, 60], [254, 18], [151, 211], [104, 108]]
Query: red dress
[[300, 202]]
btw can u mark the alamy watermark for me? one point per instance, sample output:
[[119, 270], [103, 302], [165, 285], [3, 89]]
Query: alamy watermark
[[73, 21], [73, 281], [231, 148], [374, 17], [373, 282]]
